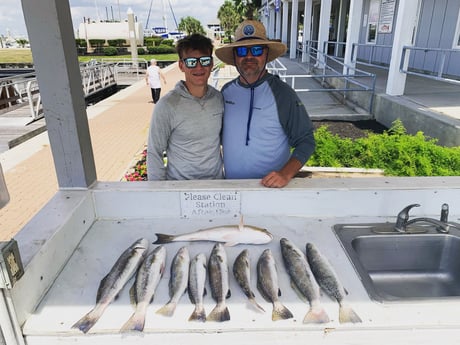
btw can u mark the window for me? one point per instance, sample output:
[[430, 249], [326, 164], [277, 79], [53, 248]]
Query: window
[[372, 21]]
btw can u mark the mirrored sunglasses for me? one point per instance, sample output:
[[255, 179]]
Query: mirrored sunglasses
[[192, 62], [255, 51]]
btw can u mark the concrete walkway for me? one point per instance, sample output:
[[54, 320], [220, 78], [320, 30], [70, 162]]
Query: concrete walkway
[[118, 128]]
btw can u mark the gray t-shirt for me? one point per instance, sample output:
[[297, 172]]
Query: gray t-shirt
[[188, 129]]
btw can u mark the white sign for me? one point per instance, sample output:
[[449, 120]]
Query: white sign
[[387, 13], [210, 204]]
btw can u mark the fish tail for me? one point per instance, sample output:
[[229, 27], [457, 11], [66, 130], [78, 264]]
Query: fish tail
[[135, 323], [163, 238], [316, 314], [88, 321], [198, 314], [252, 300], [168, 309], [280, 312], [347, 314], [220, 313]]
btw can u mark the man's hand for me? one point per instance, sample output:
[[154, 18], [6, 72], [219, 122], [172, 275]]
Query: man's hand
[[279, 179]]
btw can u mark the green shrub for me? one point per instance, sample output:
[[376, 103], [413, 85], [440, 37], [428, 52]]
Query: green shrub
[[161, 49], [110, 51], [394, 151], [120, 42], [96, 42], [152, 41], [168, 42], [141, 51], [80, 42]]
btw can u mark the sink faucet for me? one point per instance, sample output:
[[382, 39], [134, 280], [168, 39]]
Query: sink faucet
[[402, 220]]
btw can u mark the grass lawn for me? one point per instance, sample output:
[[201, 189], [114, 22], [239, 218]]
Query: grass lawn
[[24, 55]]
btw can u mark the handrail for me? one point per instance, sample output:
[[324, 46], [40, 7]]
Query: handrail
[[438, 74], [370, 60], [22, 90], [331, 67]]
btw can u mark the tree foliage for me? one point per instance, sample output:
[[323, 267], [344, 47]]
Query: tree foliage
[[229, 18], [190, 25], [248, 8]]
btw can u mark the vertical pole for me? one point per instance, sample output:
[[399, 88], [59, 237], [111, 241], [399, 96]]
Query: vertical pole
[[58, 73]]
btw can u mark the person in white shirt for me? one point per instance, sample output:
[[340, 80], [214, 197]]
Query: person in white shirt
[[152, 79]]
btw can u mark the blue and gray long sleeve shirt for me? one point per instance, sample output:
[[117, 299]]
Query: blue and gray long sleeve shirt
[[259, 141]]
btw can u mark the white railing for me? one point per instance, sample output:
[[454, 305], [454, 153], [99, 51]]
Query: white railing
[[22, 90]]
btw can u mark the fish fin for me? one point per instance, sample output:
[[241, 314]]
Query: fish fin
[[256, 305], [346, 291], [347, 314], [316, 315], [88, 321], [229, 294], [135, 323], [205, 292], [220, 313], [199, 314], [163, 238], [168, 309], [280, 312]]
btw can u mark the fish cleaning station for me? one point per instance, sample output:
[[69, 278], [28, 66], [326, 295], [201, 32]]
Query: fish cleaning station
[[393, 243]]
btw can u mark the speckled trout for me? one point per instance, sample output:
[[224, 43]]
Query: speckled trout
[[178, 281], [218, 280], [230, 235], [242, 274], [109, 288], [197, 286], [267, 284], [147, 278], [303, 281], [328, 281]]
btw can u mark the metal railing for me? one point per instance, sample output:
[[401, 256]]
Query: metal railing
[[440, 62], [23, 90], [329, 73], [371, 51], [19, 91]]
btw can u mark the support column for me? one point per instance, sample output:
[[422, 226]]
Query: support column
[[294, 29], [307, 13], [285, 8], [325, 15], [278, 24], [354, 24], [403, 31], [341, 26], [55, 58], [271, 22]]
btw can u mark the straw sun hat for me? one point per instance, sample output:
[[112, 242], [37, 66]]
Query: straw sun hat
[[250, 33]]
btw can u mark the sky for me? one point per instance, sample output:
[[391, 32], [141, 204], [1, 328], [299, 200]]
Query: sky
[[12, 19]]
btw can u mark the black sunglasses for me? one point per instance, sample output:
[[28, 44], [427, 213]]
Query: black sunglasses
[[255, 51], [192, 62]]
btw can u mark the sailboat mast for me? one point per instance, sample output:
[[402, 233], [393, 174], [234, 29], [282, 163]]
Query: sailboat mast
[[174, 17]]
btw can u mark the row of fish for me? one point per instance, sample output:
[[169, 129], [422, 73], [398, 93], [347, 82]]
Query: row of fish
[[308, 273]]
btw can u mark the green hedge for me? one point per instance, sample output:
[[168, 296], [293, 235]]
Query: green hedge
[[161, 49], [394, 151], [110, 51]]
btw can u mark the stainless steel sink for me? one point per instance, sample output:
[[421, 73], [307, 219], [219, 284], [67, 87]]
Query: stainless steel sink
[[417, 265]]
